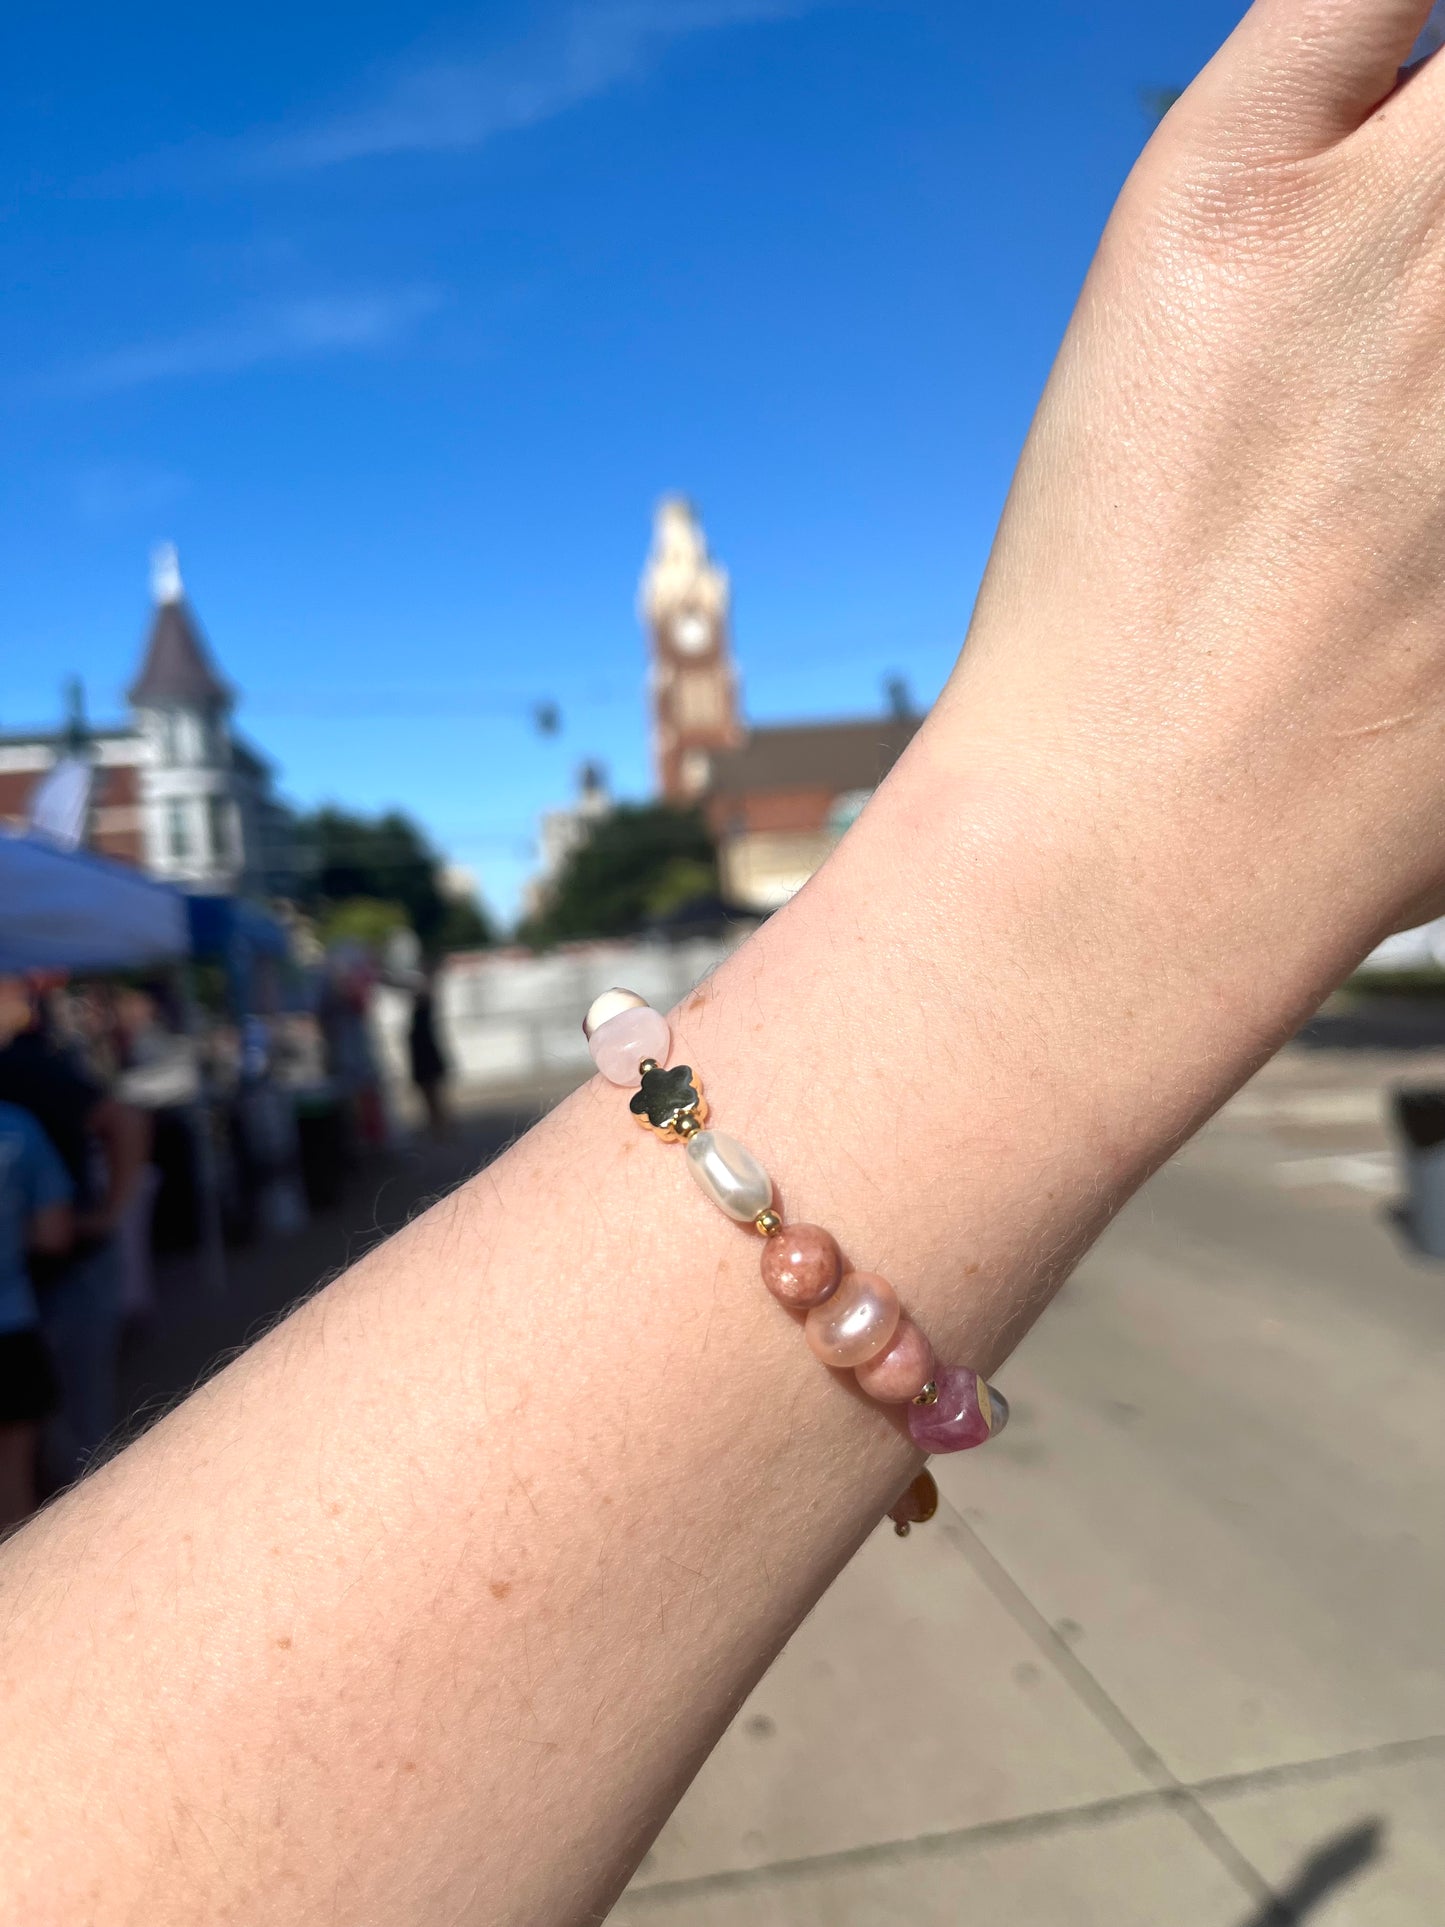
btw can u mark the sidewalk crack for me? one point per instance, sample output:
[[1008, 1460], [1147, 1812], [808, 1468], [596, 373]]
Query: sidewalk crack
[[1105, 1709]]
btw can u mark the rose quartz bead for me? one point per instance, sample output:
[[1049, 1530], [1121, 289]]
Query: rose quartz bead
[[902, 1369], [619, 1046], [967, 1413], [801, 1266], [610, 1004], [856, 1322]]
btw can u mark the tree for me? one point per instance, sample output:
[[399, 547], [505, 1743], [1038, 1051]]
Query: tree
[[640, 861], [387, 861]]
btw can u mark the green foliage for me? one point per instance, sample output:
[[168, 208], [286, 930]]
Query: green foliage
[[463, 927], [386, 863], [1424, 981], [364, 920], [685, 880], [640, 861]]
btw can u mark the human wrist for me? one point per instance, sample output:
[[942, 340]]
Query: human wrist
[[998, 1047]]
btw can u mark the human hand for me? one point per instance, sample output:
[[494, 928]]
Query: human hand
[[1215, 615]]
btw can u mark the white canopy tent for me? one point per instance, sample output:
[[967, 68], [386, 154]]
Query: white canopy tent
[[67, 910]]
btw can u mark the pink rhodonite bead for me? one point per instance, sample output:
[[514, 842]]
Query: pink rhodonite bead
[[967, 1413], [619, 1046], [900, 1371]]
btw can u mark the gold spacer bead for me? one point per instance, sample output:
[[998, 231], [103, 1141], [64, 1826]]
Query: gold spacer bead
[[686, 1126], [929, 1394], [647, 1064], [767, 1224], [902, 1528]]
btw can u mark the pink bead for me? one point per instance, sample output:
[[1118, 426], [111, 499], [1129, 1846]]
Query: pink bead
[[902, 1369], [619, 1046], [801, 1266], [856, 1322], [967, 1413]]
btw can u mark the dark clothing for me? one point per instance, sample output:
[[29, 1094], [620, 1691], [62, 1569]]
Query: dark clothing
[[60, 1097], [79, 1293], [428, 1066], [28, 1388], [80, 1318]]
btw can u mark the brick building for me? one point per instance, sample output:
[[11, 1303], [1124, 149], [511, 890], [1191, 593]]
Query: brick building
[[176, 790], [778, 797]]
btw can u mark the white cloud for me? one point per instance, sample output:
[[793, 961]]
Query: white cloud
[[592, 48], [271, 331], [114, 491]]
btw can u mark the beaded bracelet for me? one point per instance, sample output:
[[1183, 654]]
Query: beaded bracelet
[[853, 1319]]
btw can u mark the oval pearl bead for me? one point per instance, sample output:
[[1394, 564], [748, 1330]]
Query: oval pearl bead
[[611, 1003], [856, 1322], [729, 1174], [801, 1266], [619, 1046], [967, 1413], [901, 1370]]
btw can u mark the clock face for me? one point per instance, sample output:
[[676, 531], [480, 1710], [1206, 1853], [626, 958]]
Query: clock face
[[691, 632]]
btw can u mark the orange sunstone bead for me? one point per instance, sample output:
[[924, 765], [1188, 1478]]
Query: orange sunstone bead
[[801, 1266]]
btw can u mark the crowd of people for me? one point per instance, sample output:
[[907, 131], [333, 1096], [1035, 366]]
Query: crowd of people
[[77, 1179], [72, 1164]]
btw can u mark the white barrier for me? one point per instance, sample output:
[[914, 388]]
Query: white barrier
[[507, 1019]]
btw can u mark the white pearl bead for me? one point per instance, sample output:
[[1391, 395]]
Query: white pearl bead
[[729, 1174], [611, 1003]]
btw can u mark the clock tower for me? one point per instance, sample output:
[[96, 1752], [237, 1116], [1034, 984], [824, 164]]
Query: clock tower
[[684, 600]]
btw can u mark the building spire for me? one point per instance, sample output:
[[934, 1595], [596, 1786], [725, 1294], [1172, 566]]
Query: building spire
[[177, 671], [166, 585]]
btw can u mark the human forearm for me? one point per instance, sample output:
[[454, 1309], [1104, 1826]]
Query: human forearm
[[459, 1574], [426, 1608]]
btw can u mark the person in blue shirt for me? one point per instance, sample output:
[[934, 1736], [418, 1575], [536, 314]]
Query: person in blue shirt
[[35, 1199]]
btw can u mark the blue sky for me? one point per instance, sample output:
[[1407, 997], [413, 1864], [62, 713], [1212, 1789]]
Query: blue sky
[[398, 320]]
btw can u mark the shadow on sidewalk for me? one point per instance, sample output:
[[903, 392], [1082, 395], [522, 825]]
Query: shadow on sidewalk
[[1317, 1878], [1378, 1023]]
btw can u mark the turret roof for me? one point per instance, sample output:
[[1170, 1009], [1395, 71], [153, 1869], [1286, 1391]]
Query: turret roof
[[177, 669]]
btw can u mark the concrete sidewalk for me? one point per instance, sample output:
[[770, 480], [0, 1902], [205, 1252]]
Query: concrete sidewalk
[[1174, 1650]]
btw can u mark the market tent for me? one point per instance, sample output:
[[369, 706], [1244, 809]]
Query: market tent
[[68, 910]]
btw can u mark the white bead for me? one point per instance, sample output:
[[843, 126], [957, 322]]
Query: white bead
[[729, 1174], [611, 1003]]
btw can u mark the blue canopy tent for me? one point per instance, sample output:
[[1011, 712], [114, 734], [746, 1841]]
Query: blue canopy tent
[[68, 910], [238, 934]]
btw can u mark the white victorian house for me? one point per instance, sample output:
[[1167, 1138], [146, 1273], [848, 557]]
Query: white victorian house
[[176, 790]]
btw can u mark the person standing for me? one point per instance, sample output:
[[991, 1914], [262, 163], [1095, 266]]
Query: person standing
[[102, 1146], [428, 1065], [35, 1195]]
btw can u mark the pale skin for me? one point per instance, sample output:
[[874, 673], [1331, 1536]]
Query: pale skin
[[426, 1609]]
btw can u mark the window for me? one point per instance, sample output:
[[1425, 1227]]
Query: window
[[694, 768], [178, 831], [222, 843]]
